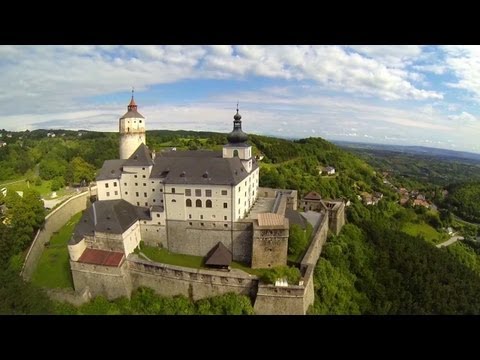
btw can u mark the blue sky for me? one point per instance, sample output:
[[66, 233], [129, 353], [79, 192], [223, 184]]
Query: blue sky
[[407, 95]]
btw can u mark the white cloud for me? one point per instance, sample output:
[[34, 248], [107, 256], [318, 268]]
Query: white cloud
[[463, 117]]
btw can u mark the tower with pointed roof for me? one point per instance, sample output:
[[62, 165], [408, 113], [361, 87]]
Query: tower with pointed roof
[[237, 144], [132, 130]]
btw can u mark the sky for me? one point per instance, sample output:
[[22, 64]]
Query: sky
[[404, 95]]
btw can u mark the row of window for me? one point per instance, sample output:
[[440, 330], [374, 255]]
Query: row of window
[[213, 217], [198, 192], [198, 203]]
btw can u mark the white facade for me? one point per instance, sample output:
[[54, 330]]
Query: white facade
[[132, 134]]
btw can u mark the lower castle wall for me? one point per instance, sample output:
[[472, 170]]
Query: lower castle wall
[[170, 280], [276, 300], [108, 281]]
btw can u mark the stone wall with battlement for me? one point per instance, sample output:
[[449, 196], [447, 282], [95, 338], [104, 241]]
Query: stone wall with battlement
[[170, 280]]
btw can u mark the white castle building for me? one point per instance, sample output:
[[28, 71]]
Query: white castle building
[[185, 201]]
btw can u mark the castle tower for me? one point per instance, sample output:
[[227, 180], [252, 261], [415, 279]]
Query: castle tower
[[237, 144], [132, 130]]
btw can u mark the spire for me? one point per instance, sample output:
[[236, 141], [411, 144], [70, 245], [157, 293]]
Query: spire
[[237, 135], [132, 106]]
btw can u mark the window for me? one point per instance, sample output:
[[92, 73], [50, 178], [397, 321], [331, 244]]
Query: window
[[213, 216], [224, 192], [226, 225], [146, 204], [225, 217], [154, 200], [235, 152], [116, 192], [136, 184], [135, 176], [239, 201], [208, 204], [173, 190], [188, 203], [136, 194], [158, 215], [106, 185], [190, 223], [161, 190], [125, 184], [143, 176], [144, 194], [201, 217], [144, 184], [198, 203], [143, 168], [189, 216], [108, 193], [153, 190], [138, 204], [188, 192], [198, 192], [114, 184], [173, 200], [245, 194], [202, 224], [225, 205], [126, 192], [208, 193]]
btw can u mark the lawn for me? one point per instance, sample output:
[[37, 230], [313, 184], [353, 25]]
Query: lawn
[[53, 269], [424, 230], [166, 257]]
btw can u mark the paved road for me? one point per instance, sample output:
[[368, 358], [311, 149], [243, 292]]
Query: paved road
[[450, 241]]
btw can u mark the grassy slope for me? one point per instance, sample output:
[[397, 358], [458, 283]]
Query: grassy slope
[[53, 269]]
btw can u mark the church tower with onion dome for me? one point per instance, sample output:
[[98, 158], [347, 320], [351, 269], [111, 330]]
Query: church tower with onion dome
[[237, 144], [132, 130]]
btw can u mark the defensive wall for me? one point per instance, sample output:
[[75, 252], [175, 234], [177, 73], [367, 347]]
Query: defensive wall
[[53, 223]]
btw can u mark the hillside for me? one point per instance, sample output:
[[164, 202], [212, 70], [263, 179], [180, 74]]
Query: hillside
[[381, 263]]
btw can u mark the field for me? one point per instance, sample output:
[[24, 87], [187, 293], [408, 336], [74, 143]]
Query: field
[[53, 269], [426, 231], [44, 189]]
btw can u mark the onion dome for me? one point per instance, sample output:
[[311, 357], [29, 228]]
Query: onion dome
[[237, 136]]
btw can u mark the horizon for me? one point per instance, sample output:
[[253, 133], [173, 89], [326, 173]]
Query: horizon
[[388, 95]]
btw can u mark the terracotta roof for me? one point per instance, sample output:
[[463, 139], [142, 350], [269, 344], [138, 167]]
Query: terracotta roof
[[219, 255], [270, 219], [313, 195], [101, 257]]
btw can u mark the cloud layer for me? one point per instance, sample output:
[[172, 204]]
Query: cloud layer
[[407, 94]]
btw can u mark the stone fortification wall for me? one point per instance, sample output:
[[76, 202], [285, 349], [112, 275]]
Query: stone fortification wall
[[315, 249], [170, 280], [111, 282], [53, 222], [197, 239], [278, 300]]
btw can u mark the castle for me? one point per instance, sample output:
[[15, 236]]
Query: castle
[[202, 203]]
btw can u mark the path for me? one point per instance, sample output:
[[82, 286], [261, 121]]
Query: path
[[13, 182], [450, 241]]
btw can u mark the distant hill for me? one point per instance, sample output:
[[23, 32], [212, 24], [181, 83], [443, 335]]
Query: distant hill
[[414, 150]]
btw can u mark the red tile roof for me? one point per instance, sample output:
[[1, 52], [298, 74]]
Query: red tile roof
[[101, 257]]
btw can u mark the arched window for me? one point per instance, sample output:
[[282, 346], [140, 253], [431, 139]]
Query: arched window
[[235, 152], [198, 203], [189, 203], [208, 204]]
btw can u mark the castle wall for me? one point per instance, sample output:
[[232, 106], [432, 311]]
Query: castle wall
[[53, 222], [111, 282], [198, 240], [170, 280], [154, 235], [336, 215], [269, 246], [126, 242], [277, 300]]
